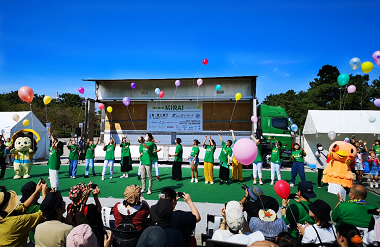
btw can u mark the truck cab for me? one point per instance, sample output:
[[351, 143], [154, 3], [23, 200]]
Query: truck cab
[[274, 122]]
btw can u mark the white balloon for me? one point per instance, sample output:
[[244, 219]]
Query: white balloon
[[16, 117], [331, 135], [372, 119]]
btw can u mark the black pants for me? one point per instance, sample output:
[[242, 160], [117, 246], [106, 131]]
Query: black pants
[[224, 173], [177, 171], [2, 166], [320, 173], [125, 164]]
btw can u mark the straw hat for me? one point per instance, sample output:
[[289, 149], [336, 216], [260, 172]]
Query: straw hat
[[8, 203]]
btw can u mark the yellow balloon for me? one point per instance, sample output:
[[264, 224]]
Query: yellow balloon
[[25, 122], [367, 67], [238, 96], [47, 99], [109, 109]]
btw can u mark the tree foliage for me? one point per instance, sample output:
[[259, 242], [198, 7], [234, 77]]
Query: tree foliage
[[325, 93]]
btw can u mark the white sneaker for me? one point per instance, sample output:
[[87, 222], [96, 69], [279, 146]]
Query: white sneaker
[[371, 185], [291, 185], [196, 180], [122, 176], [126, 175], [110, 177], [102, 177], [261, 182], [254, 181], [271, 183], [149, 192], [206, 182], [73, 177], [211, 182], [192, 180], [376, 185]]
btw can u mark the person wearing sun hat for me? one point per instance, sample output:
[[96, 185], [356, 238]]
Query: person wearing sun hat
[[298, 212], [52, 232], [322, 231], [133, 205], [14, 221]]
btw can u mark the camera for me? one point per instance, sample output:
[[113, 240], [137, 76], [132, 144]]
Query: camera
[[42, 180], [292, 196], [373, 211], [93, 186], [244, 187], [3, 188], [180, 194]]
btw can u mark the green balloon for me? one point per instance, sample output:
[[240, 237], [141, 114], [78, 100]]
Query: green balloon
[[343, 79]]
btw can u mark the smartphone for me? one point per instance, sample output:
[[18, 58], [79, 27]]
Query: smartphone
[[42, 180], [93, 186], [180, 194], [373, 211], [292, 196]]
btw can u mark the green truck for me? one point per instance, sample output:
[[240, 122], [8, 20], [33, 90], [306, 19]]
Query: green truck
[[274, 122]]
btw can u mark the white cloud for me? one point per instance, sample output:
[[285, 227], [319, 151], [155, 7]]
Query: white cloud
[[286, 74]]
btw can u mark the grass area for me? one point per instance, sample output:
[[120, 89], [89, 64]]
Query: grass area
[[200, 192]]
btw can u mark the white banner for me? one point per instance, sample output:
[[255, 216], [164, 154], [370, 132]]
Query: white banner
[[179, 116]]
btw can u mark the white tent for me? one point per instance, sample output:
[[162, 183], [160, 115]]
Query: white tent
[[344, 123], [8, 126]]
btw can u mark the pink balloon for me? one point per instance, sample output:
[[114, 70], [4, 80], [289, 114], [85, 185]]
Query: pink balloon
[[282, 189], [254, 119], [26, 94], [351, 89], [376, 102], [177, 83], [199, 82], [81, 90], [245, 151], [376, 57], [101, 106]]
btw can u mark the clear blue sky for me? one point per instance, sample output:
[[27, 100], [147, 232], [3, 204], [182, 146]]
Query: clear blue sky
[[51, 45]]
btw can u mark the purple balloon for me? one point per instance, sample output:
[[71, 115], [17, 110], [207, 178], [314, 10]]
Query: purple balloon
[[377, 102], [133, 85], [199, 82], [351, 89], [376, 57], [81, 90], [177, 83], [126, 101]]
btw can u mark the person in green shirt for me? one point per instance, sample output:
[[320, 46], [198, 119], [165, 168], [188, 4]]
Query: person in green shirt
[[237, 167], [54, 162], [376, 147], [110, 156], [146, 152], [8, 155], [209, 160], [90, 156], [2, 160], [155, 159], [224, 160], [258, 162], [177, 165], [298, 212], [126, 160], [73, 157], [298, 164], [275, 160], [194, 161]]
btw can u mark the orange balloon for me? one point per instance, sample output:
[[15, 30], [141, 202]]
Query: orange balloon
[[26, 94]]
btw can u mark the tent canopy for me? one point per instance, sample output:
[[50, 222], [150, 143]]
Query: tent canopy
[[8, 127], [324, 121], [344, 123]]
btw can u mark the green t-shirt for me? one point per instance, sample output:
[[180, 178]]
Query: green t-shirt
[[90, 151], [194, 151], [297, 156], [352, 214], [298, 213], [146, 158], [125, 151], [73, 152], [110, 152], [275, 157], [178, 151], [8, 144], [154, 153], [2, 150], [376, 149], [54, 159], [34, 208], [209, 156], [224, 153], [258, 157]]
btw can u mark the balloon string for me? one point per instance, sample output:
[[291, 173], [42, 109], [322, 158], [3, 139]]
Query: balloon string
[[161, 111], [173, 97], [197, 73], [131, 118], [291, 211], [214, 102], [133, 102], [233, 111], [46, 114], [156, 104], [197, 95], [31, 115]]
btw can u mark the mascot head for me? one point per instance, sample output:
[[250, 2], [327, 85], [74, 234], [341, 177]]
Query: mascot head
[[343, 152], [24, 141]]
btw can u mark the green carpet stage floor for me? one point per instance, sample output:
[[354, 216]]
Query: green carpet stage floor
[[199, 192]]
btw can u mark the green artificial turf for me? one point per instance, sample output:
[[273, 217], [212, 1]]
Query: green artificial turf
[[199, 192]]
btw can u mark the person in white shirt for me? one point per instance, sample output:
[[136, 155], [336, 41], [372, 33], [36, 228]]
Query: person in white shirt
[[321, 155], [322, 231]]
